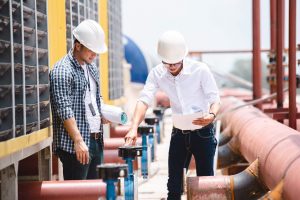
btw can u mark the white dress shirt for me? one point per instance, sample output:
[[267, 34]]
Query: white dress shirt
[[193, 90], [90, 97]]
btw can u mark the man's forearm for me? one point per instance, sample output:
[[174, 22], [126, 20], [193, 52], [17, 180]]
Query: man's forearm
[[139, 114], [72, 129]]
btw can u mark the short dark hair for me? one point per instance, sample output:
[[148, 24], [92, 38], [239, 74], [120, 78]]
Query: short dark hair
[[76, 41]]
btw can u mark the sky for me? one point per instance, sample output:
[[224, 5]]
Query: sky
[[205, 24]]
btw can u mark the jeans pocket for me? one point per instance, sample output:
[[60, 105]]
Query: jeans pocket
[[207, 133]]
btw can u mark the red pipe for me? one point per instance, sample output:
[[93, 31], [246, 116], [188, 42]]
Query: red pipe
[[162, 100], [111, 152], [292, 65], [256, 64], [112, 156], [62, 190], [113, 143], [226, 51], [279, 52], [275, 145], [118, 131], [273, 29]]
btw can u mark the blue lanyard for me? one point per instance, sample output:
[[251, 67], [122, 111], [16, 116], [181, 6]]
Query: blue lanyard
[[88, 78]]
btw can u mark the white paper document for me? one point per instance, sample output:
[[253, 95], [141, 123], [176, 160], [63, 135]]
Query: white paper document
[[185, 121], [113, 114]]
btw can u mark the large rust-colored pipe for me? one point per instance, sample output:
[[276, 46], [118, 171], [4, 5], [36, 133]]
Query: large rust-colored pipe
[[62, 190], [119, 131], [229, 153], [244, 185], [162, 100], [111, 152], [225, 136], [279, 52], [256, 64], [292, 65], [275, 145]]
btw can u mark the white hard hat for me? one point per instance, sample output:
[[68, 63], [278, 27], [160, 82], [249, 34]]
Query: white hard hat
[[90, 34], [172, 47]]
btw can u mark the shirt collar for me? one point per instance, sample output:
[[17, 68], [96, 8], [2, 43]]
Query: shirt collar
[[73, 59], [185, 70]]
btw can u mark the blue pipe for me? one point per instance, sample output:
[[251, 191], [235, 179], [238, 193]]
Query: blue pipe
[[151, 142], [158, 132], [129, 181], [144, 156], [110, 189]]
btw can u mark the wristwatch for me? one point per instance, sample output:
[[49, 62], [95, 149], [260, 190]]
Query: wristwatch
[[213, 114]]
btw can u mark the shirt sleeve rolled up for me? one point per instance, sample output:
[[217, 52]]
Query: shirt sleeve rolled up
[[60, 89], [149, 90], [210, 87]]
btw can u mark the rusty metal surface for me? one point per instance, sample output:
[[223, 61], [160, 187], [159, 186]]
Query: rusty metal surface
[[227, 156], [247, 185], [119, 131], [62, 190], [162, 99], [279, 52], [292, 65], [244, 185], [291, 181], [275, 194], [225, 136], [112, 156], [206, 187], [275, 145], [256, 63]]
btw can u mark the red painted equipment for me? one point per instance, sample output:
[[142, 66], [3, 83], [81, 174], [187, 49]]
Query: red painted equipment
[[62, 190]]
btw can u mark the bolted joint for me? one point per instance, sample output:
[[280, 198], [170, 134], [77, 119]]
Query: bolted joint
[[130, 151], [151, 120], [111, 171], [145, 130]]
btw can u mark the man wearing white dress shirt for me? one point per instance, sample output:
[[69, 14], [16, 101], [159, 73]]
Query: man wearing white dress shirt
[[191, 88]]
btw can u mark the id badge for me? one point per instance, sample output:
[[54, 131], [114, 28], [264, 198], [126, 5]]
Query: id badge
[[92, 109]]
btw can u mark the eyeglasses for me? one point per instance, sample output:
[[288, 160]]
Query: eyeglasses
[[173, 64]]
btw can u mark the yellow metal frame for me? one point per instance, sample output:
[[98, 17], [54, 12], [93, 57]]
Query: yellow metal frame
[[103, 19], [104, 66], [57, 30], [10, 146]]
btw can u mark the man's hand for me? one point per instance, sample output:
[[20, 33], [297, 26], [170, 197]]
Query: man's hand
[[130, 137], [105, 121], [203, 121], [82, 152]]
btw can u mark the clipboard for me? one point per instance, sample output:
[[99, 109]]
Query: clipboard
[[185, 121]]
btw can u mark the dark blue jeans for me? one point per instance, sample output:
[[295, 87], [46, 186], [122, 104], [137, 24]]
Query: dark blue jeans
[[201, 144], [74, 170]]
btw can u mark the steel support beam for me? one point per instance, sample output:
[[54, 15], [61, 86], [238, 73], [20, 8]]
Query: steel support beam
[[256, 64], [292, 65], [279, 52]]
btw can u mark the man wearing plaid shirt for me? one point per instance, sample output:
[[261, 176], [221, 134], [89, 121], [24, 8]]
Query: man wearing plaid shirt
[[76, 104]]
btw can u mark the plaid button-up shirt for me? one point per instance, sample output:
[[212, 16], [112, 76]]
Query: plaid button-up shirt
[[67, 95]]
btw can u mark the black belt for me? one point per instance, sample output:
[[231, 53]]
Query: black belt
[[96, 136], [209, 126]]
